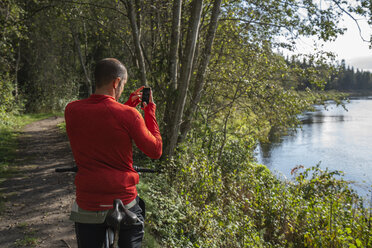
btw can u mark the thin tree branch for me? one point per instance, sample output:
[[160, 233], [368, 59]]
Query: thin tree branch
[[255, 22], [353, 18], [114, 32], [91, 4]]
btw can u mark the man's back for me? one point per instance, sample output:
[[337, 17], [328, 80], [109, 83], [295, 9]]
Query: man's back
[[101, 132]]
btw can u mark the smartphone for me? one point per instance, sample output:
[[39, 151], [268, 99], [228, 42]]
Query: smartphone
[[146, 95]]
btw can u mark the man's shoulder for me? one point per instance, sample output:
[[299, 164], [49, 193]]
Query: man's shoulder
[[71, 104], [124, 113], [75, 103], [122, 108]]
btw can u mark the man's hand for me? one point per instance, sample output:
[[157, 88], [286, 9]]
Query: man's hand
[[135, 97]]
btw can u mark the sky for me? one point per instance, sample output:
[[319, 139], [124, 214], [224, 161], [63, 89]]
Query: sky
[[348, 46]]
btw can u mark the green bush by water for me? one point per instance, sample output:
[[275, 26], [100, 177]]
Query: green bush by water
[[197, 203]]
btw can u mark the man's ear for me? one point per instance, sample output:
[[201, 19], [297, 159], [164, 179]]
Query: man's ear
[[116, 82]]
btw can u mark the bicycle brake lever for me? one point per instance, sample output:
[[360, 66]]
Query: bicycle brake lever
[[129, 217]]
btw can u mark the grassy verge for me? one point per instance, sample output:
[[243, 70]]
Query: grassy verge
[[8, 143], [29, 239], [149, 240], [62, 127]]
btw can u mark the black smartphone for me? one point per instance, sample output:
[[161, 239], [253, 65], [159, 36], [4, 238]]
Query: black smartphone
[[146, 95]]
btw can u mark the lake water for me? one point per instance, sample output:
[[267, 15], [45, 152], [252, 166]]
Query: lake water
[[336, 138]]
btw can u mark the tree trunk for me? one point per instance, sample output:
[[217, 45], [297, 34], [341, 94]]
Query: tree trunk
[[175, 41], [136, 39], [88, 82], [185, 74], [16, 72], [200, 77], [138, 5], [173, 62]]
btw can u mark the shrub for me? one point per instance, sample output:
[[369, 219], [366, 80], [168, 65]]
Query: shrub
[[195, 203]]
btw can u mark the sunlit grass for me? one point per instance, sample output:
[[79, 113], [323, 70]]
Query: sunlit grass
[[62, 127], [29, 239], [149, 240]]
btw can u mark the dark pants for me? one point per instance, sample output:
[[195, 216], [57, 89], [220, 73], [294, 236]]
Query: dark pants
[[93, 235]]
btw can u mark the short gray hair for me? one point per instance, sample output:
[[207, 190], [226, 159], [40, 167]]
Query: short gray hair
[[107, 70]]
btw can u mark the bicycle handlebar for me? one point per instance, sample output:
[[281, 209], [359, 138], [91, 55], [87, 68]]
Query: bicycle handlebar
[[75, 169], [147, 170], [70, 169]]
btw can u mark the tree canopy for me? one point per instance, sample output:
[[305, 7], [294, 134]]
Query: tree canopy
[[197, 56]]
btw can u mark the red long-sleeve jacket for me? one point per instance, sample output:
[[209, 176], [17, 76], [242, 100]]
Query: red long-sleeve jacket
[[101, 132]]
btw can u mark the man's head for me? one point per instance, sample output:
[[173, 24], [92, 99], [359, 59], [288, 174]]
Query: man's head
[[109, 73]]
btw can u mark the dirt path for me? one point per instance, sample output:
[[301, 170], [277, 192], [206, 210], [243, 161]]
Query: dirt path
[[38, 200]]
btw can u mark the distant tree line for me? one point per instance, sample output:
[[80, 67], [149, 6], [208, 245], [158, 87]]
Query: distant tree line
[[328, 76], [349, 79]]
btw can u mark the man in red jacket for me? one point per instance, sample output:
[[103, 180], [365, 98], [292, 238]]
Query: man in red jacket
[[101, 131]]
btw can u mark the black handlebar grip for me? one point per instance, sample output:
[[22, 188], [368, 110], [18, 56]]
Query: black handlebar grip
[[138, 169], [70, 169], [75, 169]]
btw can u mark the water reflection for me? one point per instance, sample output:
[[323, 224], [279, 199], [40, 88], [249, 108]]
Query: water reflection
[[340, 139], [321, 118]]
